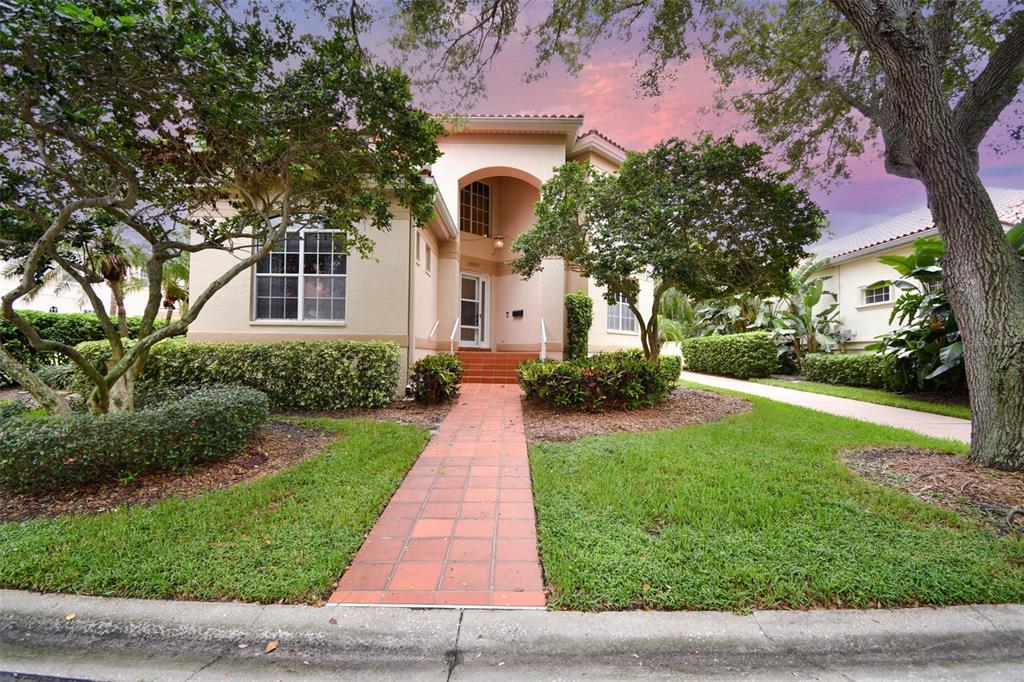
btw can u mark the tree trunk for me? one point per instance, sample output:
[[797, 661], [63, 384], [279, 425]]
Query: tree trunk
[[983, 277], [984, 280], [48, 399]]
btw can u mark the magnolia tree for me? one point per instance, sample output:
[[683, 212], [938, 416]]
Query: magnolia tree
[[706, 220], [920, 82], [154, 120]]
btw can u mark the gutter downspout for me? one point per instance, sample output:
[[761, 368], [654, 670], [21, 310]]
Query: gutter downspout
[[411, 292]]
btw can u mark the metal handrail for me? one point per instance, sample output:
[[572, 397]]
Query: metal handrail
[[543, 340], [433, 330], [451, 339]]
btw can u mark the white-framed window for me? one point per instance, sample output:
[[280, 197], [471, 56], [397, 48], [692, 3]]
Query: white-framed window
[[303, 278], [620, 317], [430, 258], [880, 294], [419, 247], [475, 209]]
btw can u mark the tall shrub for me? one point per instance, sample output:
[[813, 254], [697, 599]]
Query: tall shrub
[[579, 315]]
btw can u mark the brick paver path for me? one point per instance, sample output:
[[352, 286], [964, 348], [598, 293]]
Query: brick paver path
[[460, 530]]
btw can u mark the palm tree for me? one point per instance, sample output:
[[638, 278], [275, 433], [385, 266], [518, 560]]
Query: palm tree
[[174, 283]]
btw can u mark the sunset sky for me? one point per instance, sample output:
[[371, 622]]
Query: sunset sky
[[604, 93]]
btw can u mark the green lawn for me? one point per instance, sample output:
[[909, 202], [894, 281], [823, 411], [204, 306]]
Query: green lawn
[[287, 536], [872, 395], [753, 511]]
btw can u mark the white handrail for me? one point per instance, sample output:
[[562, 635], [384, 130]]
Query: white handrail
[[433, 330], [451, 339], [543, 340]]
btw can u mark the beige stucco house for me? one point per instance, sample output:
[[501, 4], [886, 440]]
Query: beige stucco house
[[445, 286], [853, 266]]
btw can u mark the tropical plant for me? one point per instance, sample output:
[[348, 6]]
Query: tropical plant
[[709, 219], [803, 328]]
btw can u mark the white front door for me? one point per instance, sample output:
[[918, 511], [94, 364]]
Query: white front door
[[473, 293]]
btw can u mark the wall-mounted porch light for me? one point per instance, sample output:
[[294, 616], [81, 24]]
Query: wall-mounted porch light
[[499, 241]]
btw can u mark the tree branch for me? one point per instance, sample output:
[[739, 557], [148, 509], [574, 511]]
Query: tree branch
[[995, 87]]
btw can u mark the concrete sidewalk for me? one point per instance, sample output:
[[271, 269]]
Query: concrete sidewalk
[[929, 424], [131, 639]]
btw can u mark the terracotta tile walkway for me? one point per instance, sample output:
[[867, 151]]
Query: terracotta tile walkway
[[460, 530]]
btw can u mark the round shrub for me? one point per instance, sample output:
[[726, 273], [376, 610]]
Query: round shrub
[[743, 356], [73, 449], [623, 379], [436, 378], [579, 315]]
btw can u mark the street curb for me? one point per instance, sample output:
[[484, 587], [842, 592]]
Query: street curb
[[197, 640]]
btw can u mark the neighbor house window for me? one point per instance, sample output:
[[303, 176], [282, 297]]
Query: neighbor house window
[[430, 258], [876, 295], [303, 278], [475, 209], [620, 317], [419, 247]]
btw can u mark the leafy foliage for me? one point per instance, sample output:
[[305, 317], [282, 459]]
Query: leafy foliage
[[161, 120], [314, 375], [67, 328], [623, 379], [804, 328], [74, 449], [743, 356], [707, 219], [579, 315], [59, 377], [436, 378], [870, 370], [12, 408]]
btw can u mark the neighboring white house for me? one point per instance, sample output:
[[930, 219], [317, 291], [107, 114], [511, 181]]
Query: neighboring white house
[[72, 299], [853, 265], [446, 285]]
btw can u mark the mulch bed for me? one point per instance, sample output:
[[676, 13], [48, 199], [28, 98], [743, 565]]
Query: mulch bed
[[683, 406], [992, 496], [407, 412], [279, 446]]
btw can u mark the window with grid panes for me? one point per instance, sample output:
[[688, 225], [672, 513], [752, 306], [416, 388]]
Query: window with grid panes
[[303, 278], [475, 209]]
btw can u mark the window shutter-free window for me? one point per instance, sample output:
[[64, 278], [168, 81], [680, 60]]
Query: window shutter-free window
[[475, 209], [303, 278], [620, 317]]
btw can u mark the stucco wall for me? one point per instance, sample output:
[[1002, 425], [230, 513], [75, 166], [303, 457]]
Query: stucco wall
[[603, 339], [847, 280], [375, 307], [463, 154]]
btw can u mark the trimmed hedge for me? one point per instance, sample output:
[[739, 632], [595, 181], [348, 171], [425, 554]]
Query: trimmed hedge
[[74, 449], [743, 356], [436, 378], [69, 328], [621, 379], [313, 375], [579, 315], [869, 370]]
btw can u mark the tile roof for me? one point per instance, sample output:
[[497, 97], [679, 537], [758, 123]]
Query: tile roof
[[1009, 204], [598, 133], [524, 115]]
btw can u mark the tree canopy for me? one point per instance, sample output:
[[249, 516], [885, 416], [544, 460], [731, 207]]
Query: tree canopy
[[707, 219], [174, 118]]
